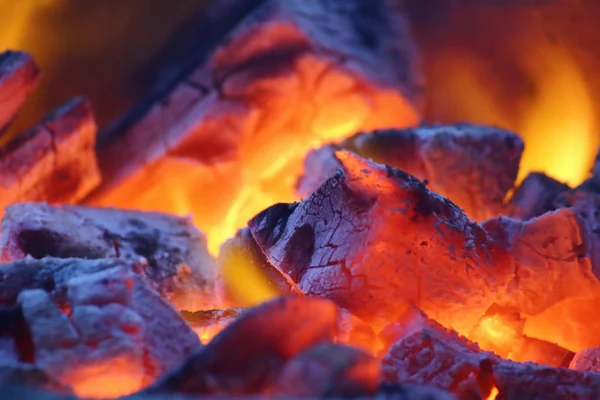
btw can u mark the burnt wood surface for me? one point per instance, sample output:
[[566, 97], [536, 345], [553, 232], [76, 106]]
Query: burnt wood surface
[[168, 250], [446, 360], [474, 166], [18, 77], [230, 117], [245, 357], [54, 161], [369, 232], [87, 318]]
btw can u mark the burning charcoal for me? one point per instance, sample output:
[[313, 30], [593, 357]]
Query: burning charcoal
[[474, 166], [372, 237], [445, 360], [353, 331], [289, 75], [329, 370], [18, 77], [54, 161], [170, 252], [388, 391], [241, 260], [208, 323], [100, 330], [586, 360], [410, 321], [551, 260], [535, 196], [246, 356]]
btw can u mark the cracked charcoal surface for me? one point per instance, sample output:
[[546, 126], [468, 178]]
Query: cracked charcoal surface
[[98, 316], [472, 165], [371, 238], [443, 359], [169, 251], [54, 161]]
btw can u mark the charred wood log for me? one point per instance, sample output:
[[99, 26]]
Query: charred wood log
[[328, 371], [474, 166], [92, 321], [443, 359], [18, 77], [320, 58], [54, 161], [168, 250], [246, 357], [373, 239]]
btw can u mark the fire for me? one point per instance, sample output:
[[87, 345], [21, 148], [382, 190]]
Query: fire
[[559, 128], [493, 394]]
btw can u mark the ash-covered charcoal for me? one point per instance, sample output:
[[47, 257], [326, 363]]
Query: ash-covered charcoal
[[168, 250], [410, 321], [445, 360], [18, 77], [592, 184], [100, 329], [240, 257], [472, 165], [551, 257], [340, 65], [208, 323], [54, 161], [536, 195], [586, 360], [246, 356], [329, 371], [373, 238]]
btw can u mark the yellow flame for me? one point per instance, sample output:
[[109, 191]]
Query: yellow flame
[[493, 394], [559, 129], [246, 283]]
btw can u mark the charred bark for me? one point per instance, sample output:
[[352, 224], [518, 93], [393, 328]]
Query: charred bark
[[168, 250], [18, 77], [474, 166], [54, 161]]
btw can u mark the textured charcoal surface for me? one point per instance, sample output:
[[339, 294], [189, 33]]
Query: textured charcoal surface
[[169, 251], [18, 77], [245, 357], [472, 165], [53, 161], [88, 319], [443, 359], [370, 232]]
